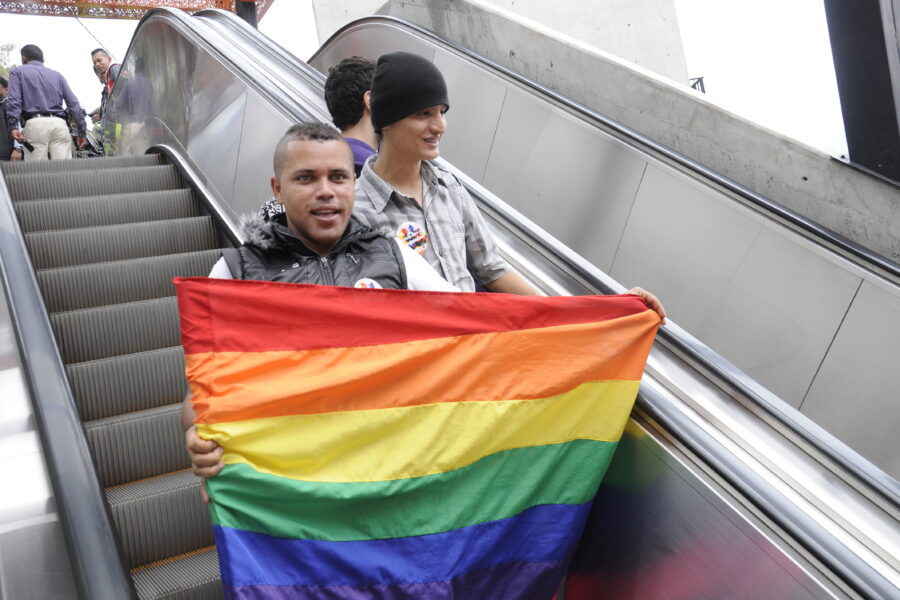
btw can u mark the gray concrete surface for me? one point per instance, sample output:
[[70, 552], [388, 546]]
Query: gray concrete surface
[[850, 202], [620, 27]]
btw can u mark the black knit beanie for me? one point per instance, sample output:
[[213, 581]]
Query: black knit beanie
[[403, 84]]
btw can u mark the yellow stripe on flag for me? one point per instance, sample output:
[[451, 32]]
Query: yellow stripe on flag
[[395, 443]]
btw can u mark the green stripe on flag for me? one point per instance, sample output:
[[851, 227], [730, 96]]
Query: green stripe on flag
[[496, 487]]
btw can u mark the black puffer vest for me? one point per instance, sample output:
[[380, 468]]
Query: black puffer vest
[[362, 258]]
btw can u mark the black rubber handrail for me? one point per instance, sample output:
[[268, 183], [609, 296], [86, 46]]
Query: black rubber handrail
[[862, 256], [97, 561]]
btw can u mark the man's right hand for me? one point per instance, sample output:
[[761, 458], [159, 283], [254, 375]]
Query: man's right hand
[[17, 135], [206, 457]]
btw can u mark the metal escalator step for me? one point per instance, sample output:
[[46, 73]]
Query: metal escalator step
[[92, 164], [87, 245], [124, 384], [87, 286], [108, 331], [191, 577], [160, 517], [94, 211], [100, 182], [137, 445]]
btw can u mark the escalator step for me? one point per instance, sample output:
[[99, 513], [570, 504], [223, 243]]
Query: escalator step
[[160, 517], [138, 445], [51, 249], [124, 384], [108, 331], [100, 182], [50, 166], [87, 286], [94, 211], [191, 577]]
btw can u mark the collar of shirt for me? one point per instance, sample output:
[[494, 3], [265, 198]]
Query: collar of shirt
[[380, 191]]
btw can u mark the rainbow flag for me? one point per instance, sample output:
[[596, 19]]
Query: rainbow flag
[[396, 445]]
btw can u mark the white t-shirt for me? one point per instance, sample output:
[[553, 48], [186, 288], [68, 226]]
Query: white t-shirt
[[419, 274]]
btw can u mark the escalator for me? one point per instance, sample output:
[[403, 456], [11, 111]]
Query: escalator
[[105, 238], [811, 316], [703, 472]]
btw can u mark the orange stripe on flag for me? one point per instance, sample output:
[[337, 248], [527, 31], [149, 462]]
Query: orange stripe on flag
[[523, 364]]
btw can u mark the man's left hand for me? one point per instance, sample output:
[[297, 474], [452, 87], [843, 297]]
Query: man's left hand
[[651, 301], [17, 135]]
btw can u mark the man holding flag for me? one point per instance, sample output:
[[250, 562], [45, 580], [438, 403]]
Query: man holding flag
[[387, 444]]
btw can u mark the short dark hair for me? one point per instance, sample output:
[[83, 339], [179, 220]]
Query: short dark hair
[[32, 52], [347, 82], [99, 50], [4, 82], [312, 131]]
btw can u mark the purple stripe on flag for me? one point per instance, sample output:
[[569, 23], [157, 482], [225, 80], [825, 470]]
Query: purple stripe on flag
[[509, 581]]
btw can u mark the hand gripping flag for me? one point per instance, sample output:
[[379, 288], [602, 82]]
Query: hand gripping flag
[[405, 445]]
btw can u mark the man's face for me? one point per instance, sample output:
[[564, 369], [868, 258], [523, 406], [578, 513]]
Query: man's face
[[418, 135], [316, 187], [101, 63], [3, 90]]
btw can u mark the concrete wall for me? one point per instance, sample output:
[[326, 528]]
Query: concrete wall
[[852, 203], [645, 33]]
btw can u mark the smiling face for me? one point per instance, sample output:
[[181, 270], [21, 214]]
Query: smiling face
[[316, 187], [417, 136]]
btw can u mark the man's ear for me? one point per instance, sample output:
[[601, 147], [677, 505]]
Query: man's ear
[[276, 188], [367, 100]]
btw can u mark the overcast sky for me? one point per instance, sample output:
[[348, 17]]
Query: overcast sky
[[767, 60]]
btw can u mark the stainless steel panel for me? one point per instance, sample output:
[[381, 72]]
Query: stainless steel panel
[[371, 43], [659, 530], [33, 559], [848, 397], [216, 124], [558, 172], [262, 129], [683, 243], [477, 98], [780, 311]]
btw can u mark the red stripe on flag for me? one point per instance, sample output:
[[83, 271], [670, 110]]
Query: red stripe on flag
[[223, 315]]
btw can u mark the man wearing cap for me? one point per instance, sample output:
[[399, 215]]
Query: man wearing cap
[[36, 96], [402, 194]]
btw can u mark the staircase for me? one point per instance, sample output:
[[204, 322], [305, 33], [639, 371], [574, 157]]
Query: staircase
[[106, 236]]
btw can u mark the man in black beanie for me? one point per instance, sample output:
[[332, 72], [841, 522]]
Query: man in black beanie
[[403, 195]]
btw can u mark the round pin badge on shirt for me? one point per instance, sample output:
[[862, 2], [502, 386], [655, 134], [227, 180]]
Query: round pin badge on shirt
[[414, 236], [367, 283]]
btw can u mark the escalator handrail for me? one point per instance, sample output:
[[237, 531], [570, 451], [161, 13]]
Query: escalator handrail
[[864, 257], [97, 561]]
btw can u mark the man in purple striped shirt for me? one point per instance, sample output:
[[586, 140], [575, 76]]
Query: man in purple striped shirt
[[35, 99]]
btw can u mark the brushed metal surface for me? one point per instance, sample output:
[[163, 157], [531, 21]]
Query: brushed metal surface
[[472, 119], [758, 292], [862, 362], [573, 183], [263, 127], [33, 561]]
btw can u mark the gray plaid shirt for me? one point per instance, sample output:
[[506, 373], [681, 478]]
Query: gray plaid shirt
[[449, 232]]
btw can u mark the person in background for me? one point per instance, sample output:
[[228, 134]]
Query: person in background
[[35, 99], [106, 72], [8, 148], [346, 95], [402, 193]]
